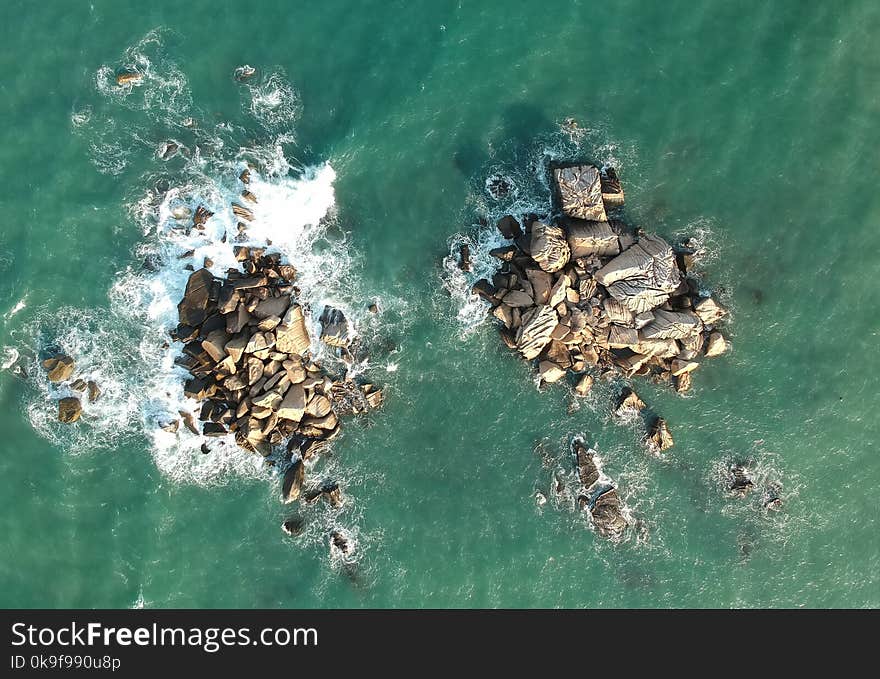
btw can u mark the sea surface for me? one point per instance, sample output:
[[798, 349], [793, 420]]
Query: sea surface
[[751, 126]]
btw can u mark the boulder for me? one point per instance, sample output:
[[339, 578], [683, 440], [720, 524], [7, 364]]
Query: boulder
[[69, 410], [292, 484], [214, 429], [464, 257], [214, 344], [620, 337], [242, 212], [293, 405], [542, 283], [272, 306], [716, 344], [484, 289], [642, 277], [235, 347], [549, 248], [629, 403], [550, 372], [583, 386], [193, 308], [293, 526], [679, 367], [335, 329], [509, 227], [254, 370], [59, 368], [709, 311], [659, 437], [318, 406], [559, 290], [533, 335], [518, 298], [292, 335], [591, 238], [78, 385], [612, 191], [607, 513], [505, 254], [683, 383], [94, 391], [588, 470], [580, 192], [672, 325]]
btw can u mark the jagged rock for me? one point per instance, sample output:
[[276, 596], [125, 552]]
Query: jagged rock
[[559, 290], [549, 247], [214, 344], [659, 437], [591, 238], [683, 383], [59, 368], [542, 283], [620, 337], [78, 385], [607, 513], [617, 313], [94, 391], [235, 347], [534, 333], [248, 196], [509, 227], [709, 311], [583, 386], [679, 367], [292, 336], [505, 254], [672, 325], [273, 306], [201, 217], [374, 398], [193, 308], [242, 212], [170, 426], [254, 370], [642, 277], [69, 410], [629, 403], [335, 329], [293, 405], [199, 388], [716, 344], [550, 372], [518, 298], [259, 341], [580, 192], [504, 314], [588, 471], [485, 290], [214, 429], [464, 257], [318, 406], [612, 191], [293, 481], [189, 421]]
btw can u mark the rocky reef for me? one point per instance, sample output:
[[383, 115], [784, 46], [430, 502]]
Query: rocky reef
[[248, 349], [583, 295]]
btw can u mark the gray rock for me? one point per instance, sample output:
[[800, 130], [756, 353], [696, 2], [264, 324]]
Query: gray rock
[[580, 192], [591, 238], [549, 248], [534, 333], [672, 325], [335, 329], [642, 277]]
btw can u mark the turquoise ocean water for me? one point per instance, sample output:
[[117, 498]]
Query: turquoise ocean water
[[751, 125]]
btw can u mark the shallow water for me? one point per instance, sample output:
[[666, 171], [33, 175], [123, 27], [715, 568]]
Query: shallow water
[[751, 125]]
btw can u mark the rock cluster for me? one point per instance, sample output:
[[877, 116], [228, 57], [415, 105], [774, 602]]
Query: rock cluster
[[59, 369], [247, 348], [581, 292], [599, 496]]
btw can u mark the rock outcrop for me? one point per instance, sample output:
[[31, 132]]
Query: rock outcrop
[[247, 347]]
